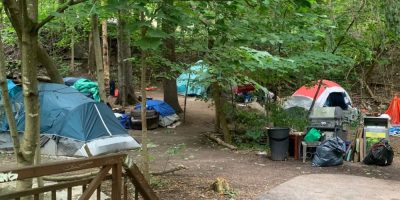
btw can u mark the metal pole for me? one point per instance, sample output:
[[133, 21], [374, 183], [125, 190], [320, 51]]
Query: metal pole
[[315, 98], [186, 92]]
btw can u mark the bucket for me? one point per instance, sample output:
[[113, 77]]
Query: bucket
[[279, 143]]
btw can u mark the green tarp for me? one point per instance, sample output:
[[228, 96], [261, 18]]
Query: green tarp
[[88, 86]]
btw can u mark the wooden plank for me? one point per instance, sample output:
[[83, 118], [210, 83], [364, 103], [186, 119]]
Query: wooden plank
[[116, 181], [94, 184], [69, 193], [140, 183], [125, 188], [48, 188], [99, 192], [54, 195], [65, 166]]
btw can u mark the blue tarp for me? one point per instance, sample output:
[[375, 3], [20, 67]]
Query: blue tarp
[[196, 88], [10, 84], [160, 106], [12, 88], [68, 113]]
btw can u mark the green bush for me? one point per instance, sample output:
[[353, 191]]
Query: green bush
[[250, 124], [295, 118]]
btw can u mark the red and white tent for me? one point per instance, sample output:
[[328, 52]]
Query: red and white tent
[[330, 94]]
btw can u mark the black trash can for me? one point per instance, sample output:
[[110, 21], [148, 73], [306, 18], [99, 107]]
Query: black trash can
[[279, 143]]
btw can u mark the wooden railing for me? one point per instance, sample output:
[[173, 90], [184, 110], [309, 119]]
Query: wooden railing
[[115, 162]]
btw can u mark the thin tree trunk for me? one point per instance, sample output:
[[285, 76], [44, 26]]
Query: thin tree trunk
[[106, 58], [127, 93], [7, 103], [121, 64], [315, 98], [72, 64], [91, 66], [29, 59], [98, 57], [48, 63], [169, 84], [220, 114], [145, 153]]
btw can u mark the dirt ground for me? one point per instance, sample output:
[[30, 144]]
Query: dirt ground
[[248, 174]]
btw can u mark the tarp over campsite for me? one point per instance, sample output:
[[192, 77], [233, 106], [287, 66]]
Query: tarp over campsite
[[330, 94], [167, 113], [69, 120]]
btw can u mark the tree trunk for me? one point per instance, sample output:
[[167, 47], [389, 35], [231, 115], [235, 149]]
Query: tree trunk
[[98, 57], [48, 63], [7, 103], [145, 153], [72, 46], [220, 114], [125, 85], [29, 59], [121, 64], [169, 84], [91, 66], [106, 58]]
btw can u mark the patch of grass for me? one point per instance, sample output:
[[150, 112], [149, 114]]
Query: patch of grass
[[158, 183]]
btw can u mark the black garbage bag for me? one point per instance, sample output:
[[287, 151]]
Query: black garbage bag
[[380, 153], [329, 153]]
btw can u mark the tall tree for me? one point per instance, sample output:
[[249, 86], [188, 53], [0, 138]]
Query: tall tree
[[169, 83], [6, 101], [125, 84], [106, 57], [145, 152], [26, 14], [23, 16], [98, 56]]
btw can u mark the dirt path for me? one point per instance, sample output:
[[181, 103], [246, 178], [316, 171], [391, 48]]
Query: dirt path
[[248, 174]]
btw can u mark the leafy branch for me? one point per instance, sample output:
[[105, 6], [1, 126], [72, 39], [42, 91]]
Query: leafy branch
[[59, 10]]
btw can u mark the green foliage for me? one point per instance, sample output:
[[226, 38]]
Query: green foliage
[[177, 149], [158, 183], [295, 118], [250, 125]]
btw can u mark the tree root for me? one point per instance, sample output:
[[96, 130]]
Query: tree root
[[180, 167]]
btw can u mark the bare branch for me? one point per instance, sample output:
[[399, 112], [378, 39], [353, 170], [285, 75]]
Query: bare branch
[[59, 10], [348, 27]]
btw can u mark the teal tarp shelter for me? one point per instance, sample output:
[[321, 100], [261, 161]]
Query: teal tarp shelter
[[69, 121], [196, 74]]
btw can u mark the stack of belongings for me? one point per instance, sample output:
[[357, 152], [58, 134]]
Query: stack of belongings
[[156, 109]]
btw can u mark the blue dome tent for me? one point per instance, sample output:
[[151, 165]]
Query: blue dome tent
[[70, 121], [195, 74]]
